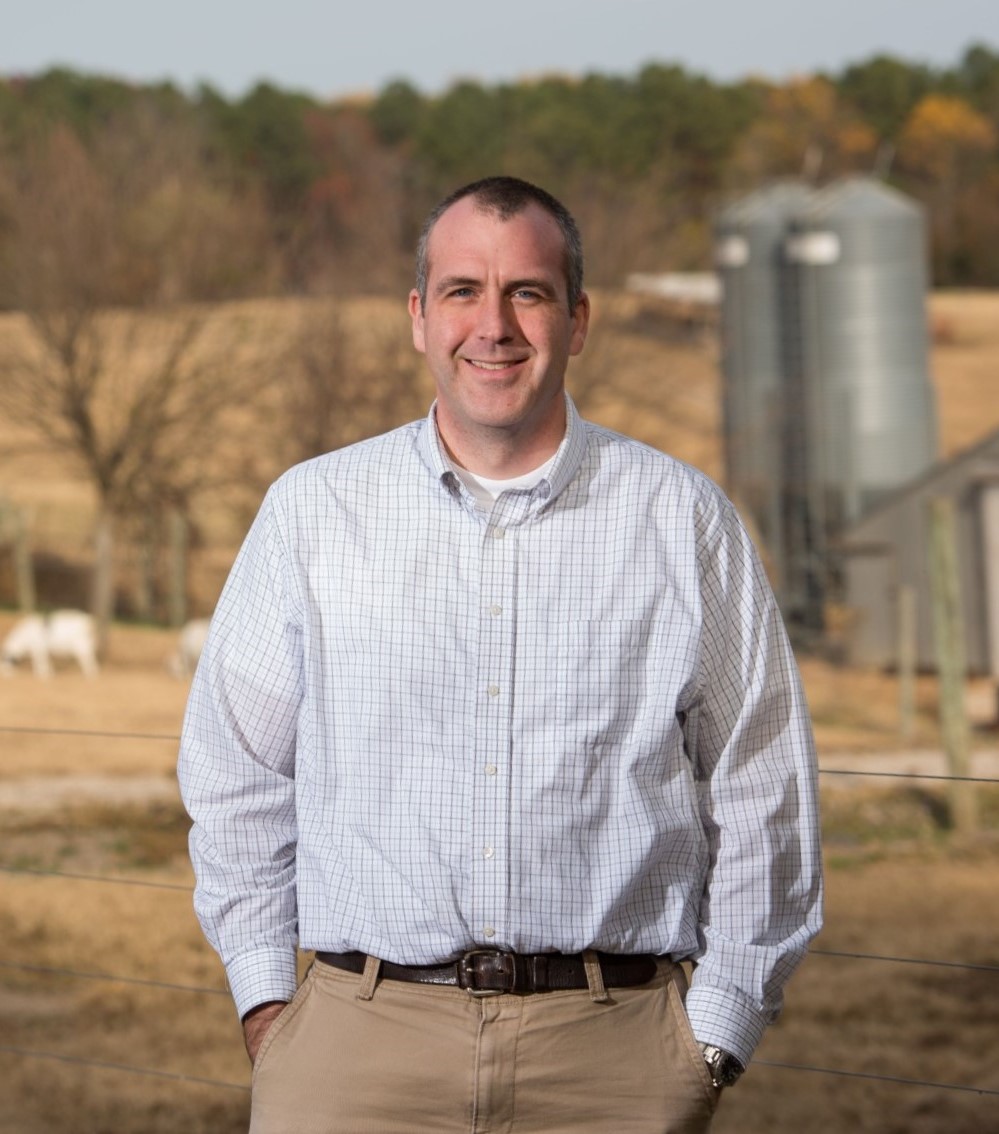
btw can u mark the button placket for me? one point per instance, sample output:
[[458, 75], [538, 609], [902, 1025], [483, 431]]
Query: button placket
[[491, 798]]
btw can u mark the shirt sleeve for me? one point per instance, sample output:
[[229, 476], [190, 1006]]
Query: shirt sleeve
[[237, 771], [750, 737]]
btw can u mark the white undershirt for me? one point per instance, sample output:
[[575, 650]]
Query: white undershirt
[[486, 490]]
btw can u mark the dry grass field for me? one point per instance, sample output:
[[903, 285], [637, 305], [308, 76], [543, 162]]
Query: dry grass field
[[95, 882]]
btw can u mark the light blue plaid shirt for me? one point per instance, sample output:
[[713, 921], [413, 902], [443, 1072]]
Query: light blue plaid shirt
[[573, 723]]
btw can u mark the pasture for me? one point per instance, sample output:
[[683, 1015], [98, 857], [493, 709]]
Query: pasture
[[115, 1015], [156, 1049]]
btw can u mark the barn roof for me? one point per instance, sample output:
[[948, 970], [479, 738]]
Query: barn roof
[[979, 462]]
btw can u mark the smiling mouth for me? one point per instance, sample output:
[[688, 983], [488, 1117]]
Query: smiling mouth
[[482, 365]]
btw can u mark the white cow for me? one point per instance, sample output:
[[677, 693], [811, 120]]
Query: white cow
[[189, 646], [40, 638]]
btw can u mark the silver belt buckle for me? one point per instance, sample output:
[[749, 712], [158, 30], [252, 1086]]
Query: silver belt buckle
[[467, 972]]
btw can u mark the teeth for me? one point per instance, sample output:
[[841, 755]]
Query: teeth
[[489, 365]]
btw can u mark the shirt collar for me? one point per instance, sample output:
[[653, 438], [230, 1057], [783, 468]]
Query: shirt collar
[[570, 453], [568, 457], [431, 449]]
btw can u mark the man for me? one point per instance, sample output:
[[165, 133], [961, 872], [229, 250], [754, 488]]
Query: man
[[497, 714]]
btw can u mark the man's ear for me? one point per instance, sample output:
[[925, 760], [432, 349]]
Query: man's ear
[[580, 324], [416, 317]]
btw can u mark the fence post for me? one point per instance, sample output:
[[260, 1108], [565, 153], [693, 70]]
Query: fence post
[[24, 568], [145, 554], [906, 660], [15, 531], [949, 632]]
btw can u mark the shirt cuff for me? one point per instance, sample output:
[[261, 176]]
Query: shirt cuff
[[726, 1020], [262, 975]]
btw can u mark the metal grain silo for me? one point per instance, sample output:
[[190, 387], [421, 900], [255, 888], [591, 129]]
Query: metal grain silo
[[862, 355], [749, 246]]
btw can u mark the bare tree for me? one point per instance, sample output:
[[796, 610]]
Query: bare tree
[[349, 372], [105, 364], [136, 400]]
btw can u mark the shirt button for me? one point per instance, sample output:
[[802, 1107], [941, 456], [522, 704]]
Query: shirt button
[[499, 533], [487, 852], [489, 931], [495, 610], [493, 690], [490, 769]]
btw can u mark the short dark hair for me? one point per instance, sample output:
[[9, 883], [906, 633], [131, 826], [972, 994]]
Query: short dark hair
[[508, 196]]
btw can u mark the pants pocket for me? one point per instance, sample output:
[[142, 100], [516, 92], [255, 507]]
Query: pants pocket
[[280, 1025], [688, 1051]]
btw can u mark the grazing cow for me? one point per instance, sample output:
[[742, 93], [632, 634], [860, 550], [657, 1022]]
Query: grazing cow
[[189, 646], [41, 638]]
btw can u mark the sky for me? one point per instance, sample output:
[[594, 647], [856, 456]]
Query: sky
[[332, 50]]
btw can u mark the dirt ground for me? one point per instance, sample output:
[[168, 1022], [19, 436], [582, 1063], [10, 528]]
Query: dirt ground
[[73, 1045]]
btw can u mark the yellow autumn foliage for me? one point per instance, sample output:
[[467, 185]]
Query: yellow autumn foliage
[[943, 136]]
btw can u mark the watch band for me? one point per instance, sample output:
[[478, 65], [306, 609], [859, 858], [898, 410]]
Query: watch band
[[724, 1067]]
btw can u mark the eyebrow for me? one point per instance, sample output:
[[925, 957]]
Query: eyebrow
[[449, 282], [544, 286]]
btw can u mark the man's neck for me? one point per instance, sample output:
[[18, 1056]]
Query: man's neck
[[499, 454], [500, 465]]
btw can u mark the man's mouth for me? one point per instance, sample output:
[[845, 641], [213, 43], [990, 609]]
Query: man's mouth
[[483, 365]]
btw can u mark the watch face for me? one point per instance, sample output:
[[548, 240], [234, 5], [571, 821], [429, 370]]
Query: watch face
[[726, 1070]]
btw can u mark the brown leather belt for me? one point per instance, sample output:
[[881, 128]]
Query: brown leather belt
[[488, 972]]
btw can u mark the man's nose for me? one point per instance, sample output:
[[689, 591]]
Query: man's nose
[[497, 320]]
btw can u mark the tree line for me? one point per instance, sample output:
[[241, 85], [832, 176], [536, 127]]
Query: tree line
[[329, 195]]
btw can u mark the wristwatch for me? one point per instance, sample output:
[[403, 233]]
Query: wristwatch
[[724, 1066]]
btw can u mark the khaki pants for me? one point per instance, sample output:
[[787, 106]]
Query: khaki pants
[[418, 1059]]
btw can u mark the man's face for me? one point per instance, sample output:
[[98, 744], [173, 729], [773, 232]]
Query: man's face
[[497, 334]]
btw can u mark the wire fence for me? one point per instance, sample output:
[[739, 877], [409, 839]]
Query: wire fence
[[13, 966]]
